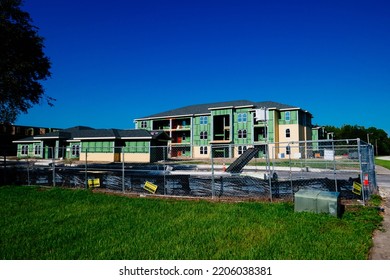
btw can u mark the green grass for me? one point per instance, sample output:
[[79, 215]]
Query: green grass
[[46, 223], [383, 163]]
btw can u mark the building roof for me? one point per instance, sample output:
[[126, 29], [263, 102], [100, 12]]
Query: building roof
[[203, 109], [88, 133]]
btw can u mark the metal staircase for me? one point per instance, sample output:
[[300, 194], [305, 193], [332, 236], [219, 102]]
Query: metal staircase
[[239, 163]]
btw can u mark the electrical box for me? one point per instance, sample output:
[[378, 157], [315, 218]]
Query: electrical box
[[317, 201]]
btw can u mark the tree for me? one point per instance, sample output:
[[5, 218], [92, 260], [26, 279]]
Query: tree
[[23, 64], [377, 137]]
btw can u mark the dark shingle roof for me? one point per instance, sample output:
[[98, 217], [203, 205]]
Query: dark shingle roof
[[82, 132], [205, 108]]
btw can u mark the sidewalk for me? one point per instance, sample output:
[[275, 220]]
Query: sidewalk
[[381, 238]]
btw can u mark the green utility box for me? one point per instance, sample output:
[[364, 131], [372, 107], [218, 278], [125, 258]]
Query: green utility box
[[317, 201]]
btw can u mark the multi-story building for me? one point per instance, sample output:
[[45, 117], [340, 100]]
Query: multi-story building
[[193, 129], [10, 133]]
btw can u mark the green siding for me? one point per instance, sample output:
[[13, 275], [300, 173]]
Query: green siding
[[242, 126], [221, 112], [270, 128], [198, 128], [293, 117], [136, 147], [97, 146], [31, 150]]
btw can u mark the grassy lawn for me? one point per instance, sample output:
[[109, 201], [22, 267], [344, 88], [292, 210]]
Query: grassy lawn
[[45, 223], [383, 163]]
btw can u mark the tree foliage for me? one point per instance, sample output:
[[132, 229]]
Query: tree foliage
[[23, 64], [377, 137]]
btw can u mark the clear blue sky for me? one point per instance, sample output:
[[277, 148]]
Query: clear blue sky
[[114, 61]]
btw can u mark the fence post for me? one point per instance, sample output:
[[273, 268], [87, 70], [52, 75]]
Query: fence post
[[123, 169], [334, 166], [54, 167], [290, 163], [86, 168], [268, 167], [28, 170], [165, 168], [361, 168], [212, 172]]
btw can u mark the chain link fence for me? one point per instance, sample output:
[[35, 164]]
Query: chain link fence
[[259, 172]]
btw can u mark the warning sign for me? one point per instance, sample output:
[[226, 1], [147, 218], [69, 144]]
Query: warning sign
[[94, 183], [150, 187], [357, 188]]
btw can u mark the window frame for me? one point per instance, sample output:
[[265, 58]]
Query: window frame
[[203, 150]]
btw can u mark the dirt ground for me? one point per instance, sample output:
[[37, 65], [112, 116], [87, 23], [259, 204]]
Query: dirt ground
[[381, 238]]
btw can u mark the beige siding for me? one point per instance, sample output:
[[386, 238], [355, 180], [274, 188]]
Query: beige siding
[[106, 157], [136, 157], [196, 152]]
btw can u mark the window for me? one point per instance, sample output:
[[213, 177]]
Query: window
[[241, 149], [288, 133], [203, 120], [76, 150], [242, 117], [37, 150], [203, 135], [144, 124], [242, 133], [287, 116], [24, 150], [203, 150], [288, 150]]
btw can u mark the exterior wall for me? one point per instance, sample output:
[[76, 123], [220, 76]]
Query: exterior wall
[[226, 126], [135, 157], [105, 157], [34, 150], [201, 125], [197, 152], [71, 150], [242, 121]]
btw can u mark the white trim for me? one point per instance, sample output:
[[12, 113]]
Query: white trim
[[164, 117], [138, 138], [26, 141], [43, 137], [95, 138], [220, 108]]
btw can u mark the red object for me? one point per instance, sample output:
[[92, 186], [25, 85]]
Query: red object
[[365, 181]]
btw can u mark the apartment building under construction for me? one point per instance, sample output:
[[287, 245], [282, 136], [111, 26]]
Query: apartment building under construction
[[243, 123]]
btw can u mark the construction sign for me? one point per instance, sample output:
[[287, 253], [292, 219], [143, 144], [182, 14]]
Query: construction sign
[[94, 183], [357, 188], [150, 187]]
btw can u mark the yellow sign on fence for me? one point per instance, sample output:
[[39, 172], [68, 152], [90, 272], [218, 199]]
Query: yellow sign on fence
[[94, 183], [357, 188], [150, 187]]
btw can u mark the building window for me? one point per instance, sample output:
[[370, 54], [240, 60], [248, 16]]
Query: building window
[[24, 151], [203, 120], [242, 117], [76, 150], [37, 150], [203, 135], [242, 133], [288, 150], [203, 150], [288, 133], [287, 116], [144, 124], [241, 149]]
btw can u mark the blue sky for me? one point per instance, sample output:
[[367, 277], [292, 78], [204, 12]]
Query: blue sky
[[114, 61]]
